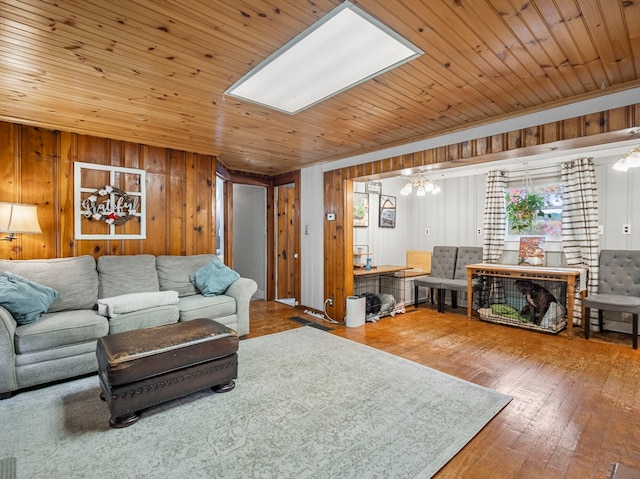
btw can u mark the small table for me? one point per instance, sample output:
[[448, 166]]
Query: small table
[[568, 275], [382, 269]]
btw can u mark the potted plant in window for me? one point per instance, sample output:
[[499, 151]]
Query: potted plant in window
[[523, 210]]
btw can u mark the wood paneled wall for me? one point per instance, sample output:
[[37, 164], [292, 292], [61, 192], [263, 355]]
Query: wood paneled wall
[[36, 167], [598, 128]]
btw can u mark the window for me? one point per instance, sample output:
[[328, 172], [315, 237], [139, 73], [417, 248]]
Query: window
[[549, 225]]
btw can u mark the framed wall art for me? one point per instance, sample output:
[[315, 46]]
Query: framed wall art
[[374, 187], [360, 209], [109, 202], [387, 218], [531, 251]]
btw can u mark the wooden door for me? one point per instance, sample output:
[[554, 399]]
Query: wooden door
[[287, 283]]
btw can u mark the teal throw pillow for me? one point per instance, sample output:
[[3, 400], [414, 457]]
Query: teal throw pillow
[[26, 300], [213, 278]]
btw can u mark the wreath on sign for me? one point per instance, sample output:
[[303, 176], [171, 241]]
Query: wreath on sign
[[108, 210]]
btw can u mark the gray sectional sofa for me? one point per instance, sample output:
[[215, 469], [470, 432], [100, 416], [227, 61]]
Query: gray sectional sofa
[[97, 298]]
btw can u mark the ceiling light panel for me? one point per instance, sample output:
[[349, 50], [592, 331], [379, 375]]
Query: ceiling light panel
[[341, 50]]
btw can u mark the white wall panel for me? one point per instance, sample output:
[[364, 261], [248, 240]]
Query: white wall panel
[[386, 245], [311, 238], [619, 201]]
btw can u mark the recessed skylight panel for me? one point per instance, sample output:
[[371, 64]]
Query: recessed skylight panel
[[343, 49]]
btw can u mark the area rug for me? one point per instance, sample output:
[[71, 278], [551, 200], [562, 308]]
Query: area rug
[[307, 405]]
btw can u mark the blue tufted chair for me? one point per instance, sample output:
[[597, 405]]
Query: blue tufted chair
[[443, 266], [466, 255], [618, 289]]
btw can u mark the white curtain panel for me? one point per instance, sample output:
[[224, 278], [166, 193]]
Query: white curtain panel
[[580, 240], [495, 218]]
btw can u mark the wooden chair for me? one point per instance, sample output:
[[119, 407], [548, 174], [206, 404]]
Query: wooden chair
[[618, 289]]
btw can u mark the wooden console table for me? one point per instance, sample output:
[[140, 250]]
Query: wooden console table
[[567, 275], [382, 269]]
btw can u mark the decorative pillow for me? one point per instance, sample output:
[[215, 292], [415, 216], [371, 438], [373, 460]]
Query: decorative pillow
[[213, 278], [25, 300]]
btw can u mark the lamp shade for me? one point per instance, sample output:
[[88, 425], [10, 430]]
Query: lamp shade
[[19, 218]]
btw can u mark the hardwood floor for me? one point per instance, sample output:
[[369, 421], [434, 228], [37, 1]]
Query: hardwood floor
[[576, 403]]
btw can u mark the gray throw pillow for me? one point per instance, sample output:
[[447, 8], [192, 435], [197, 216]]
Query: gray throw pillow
[[214, 278], [25, 300]]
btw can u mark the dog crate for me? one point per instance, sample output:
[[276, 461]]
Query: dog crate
[[389, 288], [504, 301], [406, 290]]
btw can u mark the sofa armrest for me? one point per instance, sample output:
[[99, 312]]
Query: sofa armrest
[[8, 381], [241, 290]]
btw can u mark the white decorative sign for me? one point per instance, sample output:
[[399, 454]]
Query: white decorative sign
[[111, 205], [102, 210]]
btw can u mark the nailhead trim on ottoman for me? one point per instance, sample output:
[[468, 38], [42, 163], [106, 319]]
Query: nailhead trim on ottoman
[[146, 367]]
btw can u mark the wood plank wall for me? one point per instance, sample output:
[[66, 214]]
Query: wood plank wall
[[36, 167], [588, 130]]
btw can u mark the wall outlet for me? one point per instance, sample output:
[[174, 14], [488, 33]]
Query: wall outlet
[[479, 231], [427, 231], [330, 302], [600, 229], [626, 229]]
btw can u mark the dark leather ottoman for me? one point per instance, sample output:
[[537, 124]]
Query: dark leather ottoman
[[142, 368]]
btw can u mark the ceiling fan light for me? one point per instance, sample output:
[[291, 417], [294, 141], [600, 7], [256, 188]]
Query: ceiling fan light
[[621, 165], [423, 186], [630, 160], [633, 158]]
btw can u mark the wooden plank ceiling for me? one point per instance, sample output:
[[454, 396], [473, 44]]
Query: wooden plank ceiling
[[154, 72]]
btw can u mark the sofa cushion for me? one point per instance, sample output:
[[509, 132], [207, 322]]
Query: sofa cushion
[[214, 278], [75, 279], [54, 330], [25, 300], [145, 318], [174, 272], [212, 307], [26, 359], [127, 274], [128, 303]]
